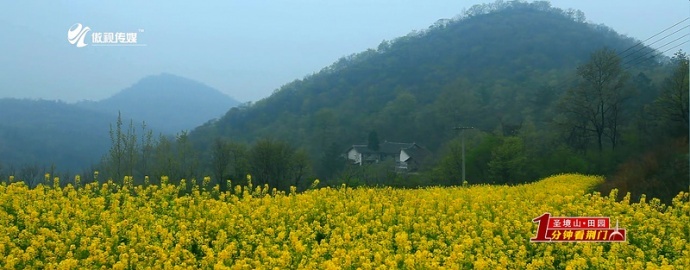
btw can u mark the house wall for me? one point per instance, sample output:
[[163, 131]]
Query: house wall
[[403, 156], [353, 155]]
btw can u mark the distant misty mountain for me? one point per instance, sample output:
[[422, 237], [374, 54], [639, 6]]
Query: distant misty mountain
[[41, 133], [167, 103]]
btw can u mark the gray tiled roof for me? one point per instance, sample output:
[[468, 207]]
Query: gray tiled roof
[[388, 148]]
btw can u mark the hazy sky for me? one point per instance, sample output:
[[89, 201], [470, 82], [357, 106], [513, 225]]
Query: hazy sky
[[246, 49]]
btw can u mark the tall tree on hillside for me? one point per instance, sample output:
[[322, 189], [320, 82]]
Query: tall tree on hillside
[[220, 158], [325, 122], [124, 151], [122, 155], [326, 132], [672, 104], [277, 164], [115, 159], [331, 162], [228, 161], [450, 166], [187, 156], [165, 163], [595, 106], [239, 165], [131, 149], [508, 161], [147, 146], [300, 167], [373, 141], [398, 115]]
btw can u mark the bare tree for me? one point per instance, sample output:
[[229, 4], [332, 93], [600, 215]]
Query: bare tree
[[116, 155], [147, 147], [220, 159], [30, 174], [595, 105], [123, 154]]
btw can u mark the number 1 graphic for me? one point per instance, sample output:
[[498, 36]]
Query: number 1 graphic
[[543, 222]]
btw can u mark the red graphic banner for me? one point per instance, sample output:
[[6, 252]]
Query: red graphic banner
[[577, 229]]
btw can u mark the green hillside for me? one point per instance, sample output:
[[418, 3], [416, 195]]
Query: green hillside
[[502, 68], [490, 66]]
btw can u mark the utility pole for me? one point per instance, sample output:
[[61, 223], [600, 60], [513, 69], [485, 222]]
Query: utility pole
[[462, 130]]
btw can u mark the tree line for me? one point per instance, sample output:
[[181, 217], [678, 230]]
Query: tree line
[[139, 154]]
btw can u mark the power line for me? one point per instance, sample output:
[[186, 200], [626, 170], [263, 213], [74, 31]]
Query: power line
[[653, 51], [650, 44], [658, 54], [623, 58], [642, 42], [676, 46]]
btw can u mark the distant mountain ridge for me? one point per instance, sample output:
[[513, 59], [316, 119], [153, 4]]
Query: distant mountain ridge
[[74, 136], [43, 133], [167, 102]]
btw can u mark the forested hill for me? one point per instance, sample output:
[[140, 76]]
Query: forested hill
[[495, 64]]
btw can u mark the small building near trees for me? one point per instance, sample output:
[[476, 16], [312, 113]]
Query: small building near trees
[[408, 156]]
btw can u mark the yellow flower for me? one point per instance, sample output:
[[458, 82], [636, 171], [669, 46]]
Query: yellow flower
[[482, 226]]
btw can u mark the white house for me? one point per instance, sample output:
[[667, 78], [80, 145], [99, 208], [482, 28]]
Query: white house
[[407, 156]]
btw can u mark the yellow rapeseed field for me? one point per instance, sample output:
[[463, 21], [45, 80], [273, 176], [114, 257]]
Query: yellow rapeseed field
[[482, 227]]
